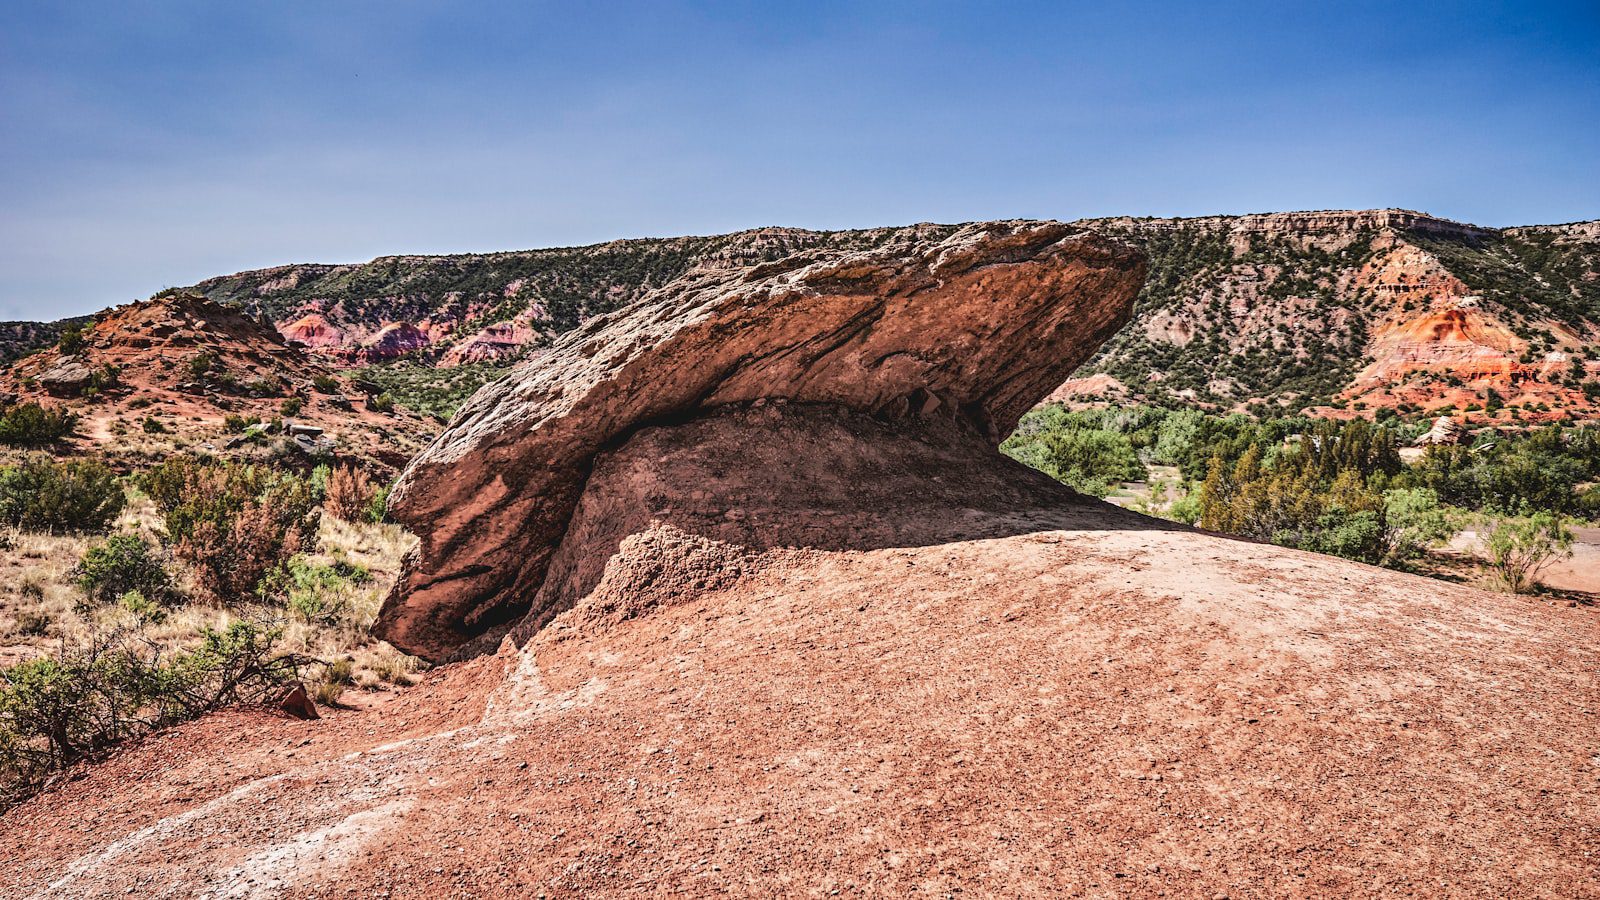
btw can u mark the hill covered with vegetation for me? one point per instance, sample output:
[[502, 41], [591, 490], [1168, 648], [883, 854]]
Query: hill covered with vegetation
[[1344, 312]]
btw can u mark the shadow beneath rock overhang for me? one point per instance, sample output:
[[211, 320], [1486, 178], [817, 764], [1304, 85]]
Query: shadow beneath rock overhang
[[804, 477]]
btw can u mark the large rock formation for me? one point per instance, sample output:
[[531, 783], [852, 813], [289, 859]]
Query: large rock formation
[[973, 326]]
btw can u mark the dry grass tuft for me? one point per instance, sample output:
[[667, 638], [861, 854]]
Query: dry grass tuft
[[42, 608]]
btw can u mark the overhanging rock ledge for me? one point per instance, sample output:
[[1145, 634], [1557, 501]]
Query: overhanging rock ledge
[[976, 323]]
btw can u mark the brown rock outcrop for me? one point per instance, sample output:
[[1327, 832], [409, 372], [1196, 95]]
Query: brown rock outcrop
[[974, 327], [66, 377], [395, 339]]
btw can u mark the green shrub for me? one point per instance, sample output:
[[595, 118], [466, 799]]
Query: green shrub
[[264, 387], [325, 384], [1091, 450], [236, 423], [1416, 523], [291, 406], [122, 563], [378, 507], [383, 403], [202, 364], [1185, 509], [152, 425], [235, 523], [75, 495], [1520, 547], [55, 711], [143, 607], [318, 594], [1092, 461], [72, 339], [32, 425]]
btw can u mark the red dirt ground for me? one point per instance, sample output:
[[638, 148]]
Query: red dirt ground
[[1061, 698]]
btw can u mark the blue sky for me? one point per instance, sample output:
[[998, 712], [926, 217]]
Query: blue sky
[[148, 144]]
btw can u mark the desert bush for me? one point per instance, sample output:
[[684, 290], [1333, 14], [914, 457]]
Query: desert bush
[[235, 423], [378, 507], [41, 494], [336, 676], [145, 609], [152, 425], [31, 586], [383, 403], [122, 563], [325, 384], [1091, 461], [32, 425], [55, 711], [1185, 509], [72, 339], [349, 494], [33, 622], [1416, 522], [1082, 449], [234, 523], [291, 406], [1521, 547], [315, 594]]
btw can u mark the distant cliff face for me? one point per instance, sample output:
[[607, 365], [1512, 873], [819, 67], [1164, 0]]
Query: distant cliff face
[[18, 339], [1342, 312], [491, 307], [1348, 312]]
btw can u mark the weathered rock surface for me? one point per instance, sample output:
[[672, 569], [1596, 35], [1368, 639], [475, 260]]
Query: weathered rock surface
[[66, 377], [974, 325]]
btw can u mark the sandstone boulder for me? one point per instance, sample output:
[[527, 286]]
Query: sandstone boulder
[[973, 327], [1445, 432], [67, 377]]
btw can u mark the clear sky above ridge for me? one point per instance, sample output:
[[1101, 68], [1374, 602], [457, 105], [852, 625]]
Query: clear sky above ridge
[[149, 144]]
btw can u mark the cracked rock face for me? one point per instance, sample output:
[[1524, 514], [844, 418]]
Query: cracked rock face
[[976, 327]]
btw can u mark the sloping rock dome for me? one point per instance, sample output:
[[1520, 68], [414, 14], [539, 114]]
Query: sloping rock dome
[[974, 325]]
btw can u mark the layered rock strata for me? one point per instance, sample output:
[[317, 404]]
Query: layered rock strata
[[972, 326]]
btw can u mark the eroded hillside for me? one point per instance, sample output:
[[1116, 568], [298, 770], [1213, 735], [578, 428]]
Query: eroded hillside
[[180, 372], [484, 307], [1346, 312], [1340, 312]]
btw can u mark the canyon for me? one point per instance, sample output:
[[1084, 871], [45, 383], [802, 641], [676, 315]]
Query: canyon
[[733, 594], [1328, 311]]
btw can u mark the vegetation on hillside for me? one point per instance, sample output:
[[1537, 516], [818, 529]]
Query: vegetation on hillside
[[58, 710], [555, 288], [1529, 271], [1333, 487], [32, 425], [1231, 354], [202, 583], [428, 390], [18, 339]]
